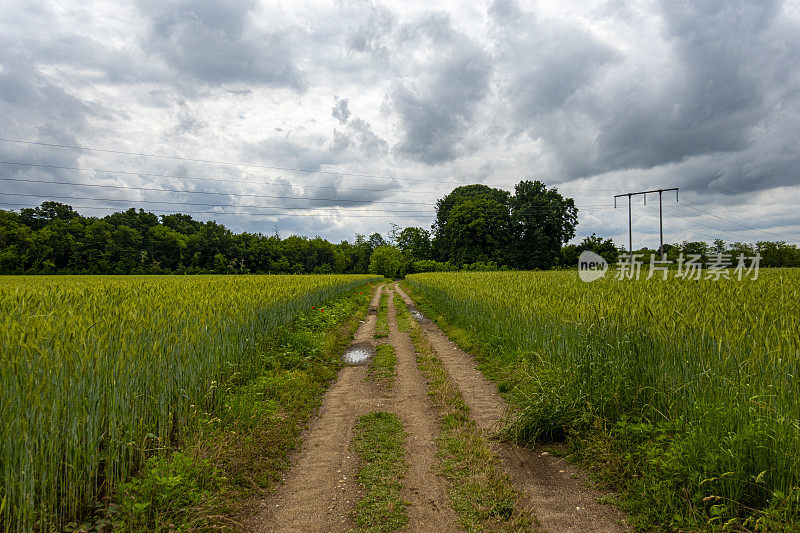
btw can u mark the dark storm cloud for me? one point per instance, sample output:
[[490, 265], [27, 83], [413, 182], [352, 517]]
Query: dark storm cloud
[[33, 107], [217, 42], [436, 107], [31, 103], [716, 108], [704, 95], [547, 61], [728, 99], [711, 100]]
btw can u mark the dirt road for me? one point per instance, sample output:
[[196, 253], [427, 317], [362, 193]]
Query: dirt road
[[319, 492], [558, 493]]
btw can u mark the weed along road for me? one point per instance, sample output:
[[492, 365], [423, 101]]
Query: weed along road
[[405, 440]]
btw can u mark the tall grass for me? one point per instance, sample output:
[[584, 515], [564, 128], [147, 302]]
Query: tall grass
[[96, 372], [714, 365]]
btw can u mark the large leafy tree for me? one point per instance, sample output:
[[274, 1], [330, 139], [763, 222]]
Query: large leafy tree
[[479, 231], [472, 224], [541, 220]]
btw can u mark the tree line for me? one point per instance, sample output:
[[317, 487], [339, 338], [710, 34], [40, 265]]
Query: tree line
[[476, 228], [54, 238]]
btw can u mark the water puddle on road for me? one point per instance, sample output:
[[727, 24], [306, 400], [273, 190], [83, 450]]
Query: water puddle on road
[[357, 353]]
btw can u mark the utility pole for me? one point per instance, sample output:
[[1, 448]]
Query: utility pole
[[660, 215], [661, 226], [630, 227]]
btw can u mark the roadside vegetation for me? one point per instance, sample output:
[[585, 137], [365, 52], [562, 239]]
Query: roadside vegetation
[[379, 442], [381, 368], [244, 447], [195, 397], [681, 396], [481, 494]]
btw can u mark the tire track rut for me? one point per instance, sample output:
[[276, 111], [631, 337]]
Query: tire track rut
[[319, 490], [558, 493], [430, 508]]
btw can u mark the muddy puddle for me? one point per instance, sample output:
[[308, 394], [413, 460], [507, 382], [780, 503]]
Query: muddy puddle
[[358, 353], [419, 317]]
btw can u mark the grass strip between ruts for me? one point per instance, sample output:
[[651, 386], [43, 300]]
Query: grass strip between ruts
[[481, 494], [381, 368], [382, 325], [379, 441]]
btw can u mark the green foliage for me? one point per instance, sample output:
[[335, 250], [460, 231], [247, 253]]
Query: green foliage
[[54, 238], [246, 442], [169, 488], [121, 367], [773, 254], [682, 394], [462, 228], [605, 248], [478, 229], [542, 220], [430, 265], [388, 261], [402, 315], [778, 254], [379, 441], [479, 224], [480, 266], [415, 243]]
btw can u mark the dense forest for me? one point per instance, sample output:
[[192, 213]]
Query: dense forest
[[476, 228]]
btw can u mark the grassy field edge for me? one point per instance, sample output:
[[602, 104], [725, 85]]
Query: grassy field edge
[[632, 458], [235, 454], [382, 324]]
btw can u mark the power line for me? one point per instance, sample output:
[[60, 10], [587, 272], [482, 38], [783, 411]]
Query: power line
[[698, 223], [230, 212], [710, 227], [309, 208], [219, 180], [240, 164], [184, 191], [125, 200], [675, 227], [213, 162], [132, 173], [691, 204]]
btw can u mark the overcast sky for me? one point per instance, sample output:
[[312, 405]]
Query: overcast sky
[[397, 103]]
